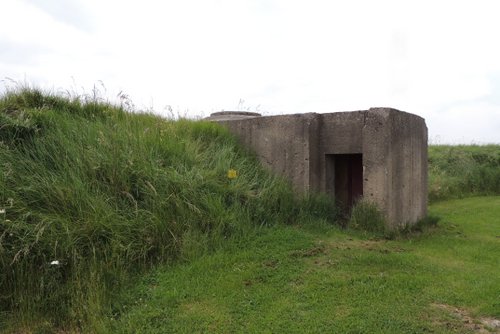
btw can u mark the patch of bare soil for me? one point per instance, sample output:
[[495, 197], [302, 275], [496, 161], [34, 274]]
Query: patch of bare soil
[[477, 325], [314, 251], [381, 246]]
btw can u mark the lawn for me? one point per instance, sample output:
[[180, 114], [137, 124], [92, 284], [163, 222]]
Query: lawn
[[310, 279]]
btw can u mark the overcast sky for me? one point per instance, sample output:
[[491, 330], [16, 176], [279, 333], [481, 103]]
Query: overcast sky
[[439, 59]]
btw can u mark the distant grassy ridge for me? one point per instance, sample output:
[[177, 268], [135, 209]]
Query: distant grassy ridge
[[463, 170], [91, 193]]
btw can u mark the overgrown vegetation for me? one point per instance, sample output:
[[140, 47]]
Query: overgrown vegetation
[[463, 170], [367, 216], [91, 194]]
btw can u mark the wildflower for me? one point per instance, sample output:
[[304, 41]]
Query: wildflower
[[231, 174], [2, 211], [54, 263]]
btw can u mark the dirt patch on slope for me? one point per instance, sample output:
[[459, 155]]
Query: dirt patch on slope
[[477, 325]]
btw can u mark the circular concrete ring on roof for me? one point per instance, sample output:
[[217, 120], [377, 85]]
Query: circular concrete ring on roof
[[231, 115]]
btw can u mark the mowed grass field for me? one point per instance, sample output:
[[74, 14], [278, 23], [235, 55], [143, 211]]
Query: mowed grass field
[[320, 279]]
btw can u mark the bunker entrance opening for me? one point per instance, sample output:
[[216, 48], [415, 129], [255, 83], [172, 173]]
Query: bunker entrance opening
[[344, 175]]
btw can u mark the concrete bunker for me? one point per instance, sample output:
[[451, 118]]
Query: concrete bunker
[[378, 154]]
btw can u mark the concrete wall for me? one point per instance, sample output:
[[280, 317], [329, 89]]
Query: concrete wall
[[395, 164], [393, 145], [376, 144], [407, 168], [282, 144]]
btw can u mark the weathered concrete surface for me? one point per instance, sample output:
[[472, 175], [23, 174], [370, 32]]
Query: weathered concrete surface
[[282, 143], [407, 166], [231, 115], [395, 164], [303, 147]]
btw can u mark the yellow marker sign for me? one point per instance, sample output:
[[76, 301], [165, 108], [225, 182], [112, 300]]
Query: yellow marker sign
[[231, 174]]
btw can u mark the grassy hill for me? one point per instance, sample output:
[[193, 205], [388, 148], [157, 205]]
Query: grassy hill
[[93, 196]]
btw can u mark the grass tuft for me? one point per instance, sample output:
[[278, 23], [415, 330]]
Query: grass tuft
[[366, 216]]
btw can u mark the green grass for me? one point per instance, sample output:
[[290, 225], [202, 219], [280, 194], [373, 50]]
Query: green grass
[[367, 216], [296, 279], [109, 194], [463, 170]]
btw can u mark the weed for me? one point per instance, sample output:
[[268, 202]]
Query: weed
[[411, 230], [367, 216]]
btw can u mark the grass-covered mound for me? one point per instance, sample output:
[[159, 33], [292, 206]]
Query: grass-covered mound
[[463, 170], [91, 193]]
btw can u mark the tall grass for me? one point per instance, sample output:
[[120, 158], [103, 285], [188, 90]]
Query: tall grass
[[91, 194], [463, 170], [366, 216]]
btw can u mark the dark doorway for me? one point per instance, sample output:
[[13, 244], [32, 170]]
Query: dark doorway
[[345, 178]]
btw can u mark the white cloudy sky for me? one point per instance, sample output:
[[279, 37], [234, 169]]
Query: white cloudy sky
[[439, 59]]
